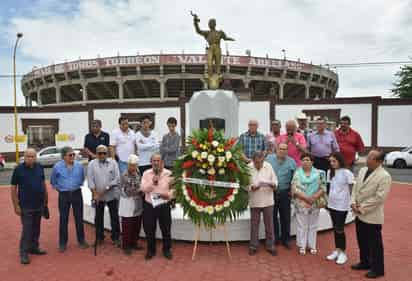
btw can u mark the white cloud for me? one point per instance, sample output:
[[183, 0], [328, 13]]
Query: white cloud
[[318, 31]]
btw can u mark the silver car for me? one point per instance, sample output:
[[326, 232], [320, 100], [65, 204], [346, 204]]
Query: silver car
[[50, 155]]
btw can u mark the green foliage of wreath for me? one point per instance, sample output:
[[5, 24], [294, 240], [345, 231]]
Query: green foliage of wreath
[[211, 156]]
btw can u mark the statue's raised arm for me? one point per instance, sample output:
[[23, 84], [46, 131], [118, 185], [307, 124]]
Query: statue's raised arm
[[196, 21], [226, 38]]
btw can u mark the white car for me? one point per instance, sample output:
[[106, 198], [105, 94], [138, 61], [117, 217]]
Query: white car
[[50, 155], [399, 159]]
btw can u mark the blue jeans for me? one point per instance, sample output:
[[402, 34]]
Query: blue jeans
[[122, 167]]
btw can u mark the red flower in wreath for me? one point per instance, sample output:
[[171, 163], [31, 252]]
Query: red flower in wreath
[[188, 164], [232, 166]]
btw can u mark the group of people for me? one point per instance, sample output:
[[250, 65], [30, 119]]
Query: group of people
[[307, 170], [130, 173]]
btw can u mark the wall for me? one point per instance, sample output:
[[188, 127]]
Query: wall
[[361, 115], [75, 123], [394, 125], [109, 117]]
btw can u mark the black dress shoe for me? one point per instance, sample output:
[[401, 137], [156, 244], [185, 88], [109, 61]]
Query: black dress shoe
[[137, 247], [360, 266], [273, 252], [62, 248], [24, 259], [286, 245], [252, 252], [168, 255], [83, 245], [38, 252], [127, 251], [373, 275], [148, 256], [117, 243]]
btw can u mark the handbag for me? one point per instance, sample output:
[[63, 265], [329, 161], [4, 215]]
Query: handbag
[[322, 201]]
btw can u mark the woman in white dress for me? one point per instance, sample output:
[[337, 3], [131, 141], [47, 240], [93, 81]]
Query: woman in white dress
[[341, 182]]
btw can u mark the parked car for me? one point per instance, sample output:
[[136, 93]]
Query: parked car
[[2, 161], [50, 155], [399, 159]]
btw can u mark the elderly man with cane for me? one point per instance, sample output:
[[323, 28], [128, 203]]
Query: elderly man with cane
[[103, 179]]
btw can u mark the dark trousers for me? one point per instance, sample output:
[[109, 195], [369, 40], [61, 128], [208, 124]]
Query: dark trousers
[[281, 216], [321, 163], [69, 199], [370, 244], [114, 219], [30, 220], [130, 231], [142, 169], [150, 217], [338, 222], [254, 226]]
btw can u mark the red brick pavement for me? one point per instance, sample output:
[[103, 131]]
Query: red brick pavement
[[212, 262]]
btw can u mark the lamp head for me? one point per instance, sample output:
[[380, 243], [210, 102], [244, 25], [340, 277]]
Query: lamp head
[[19, 35]]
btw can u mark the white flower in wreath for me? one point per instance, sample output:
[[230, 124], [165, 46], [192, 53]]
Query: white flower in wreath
[[226, 204], [219, 208], [187, 198], [203, 155], [195, 154], [211, 158], [202, 171], [210, 210], [193, 203], [200, 208], [231, 198], [228, 155], [221, 171], [215, 143], [235, 191], [221, 159], [211, 171]]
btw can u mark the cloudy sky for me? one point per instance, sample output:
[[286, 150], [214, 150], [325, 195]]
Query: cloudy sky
[[317, 31]]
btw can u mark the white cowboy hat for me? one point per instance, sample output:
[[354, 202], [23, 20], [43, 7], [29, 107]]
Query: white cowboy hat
[[301, 116]]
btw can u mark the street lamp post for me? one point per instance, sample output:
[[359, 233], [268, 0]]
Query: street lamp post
[[18, 36], [284, 54]]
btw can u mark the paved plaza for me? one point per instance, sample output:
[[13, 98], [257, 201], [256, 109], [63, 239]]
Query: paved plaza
[[212, 262]]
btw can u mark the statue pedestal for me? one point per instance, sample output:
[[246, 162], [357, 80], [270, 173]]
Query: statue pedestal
[[219, 107]]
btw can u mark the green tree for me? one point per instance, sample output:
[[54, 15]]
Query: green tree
[[403, 85]]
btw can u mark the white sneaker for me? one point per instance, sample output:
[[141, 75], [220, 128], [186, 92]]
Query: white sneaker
[[333, 256], [302, 251], [342, 258]]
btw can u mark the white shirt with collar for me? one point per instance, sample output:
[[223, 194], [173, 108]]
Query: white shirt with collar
[[124, 143], [262, 197], [146, 146]]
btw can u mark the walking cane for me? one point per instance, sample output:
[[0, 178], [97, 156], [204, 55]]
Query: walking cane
[[94, 204]]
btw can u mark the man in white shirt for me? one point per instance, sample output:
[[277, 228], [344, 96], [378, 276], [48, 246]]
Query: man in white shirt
[[263, 183], [122, 143], [147, 144]]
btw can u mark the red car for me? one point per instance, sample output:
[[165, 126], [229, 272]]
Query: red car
[[2, 161]]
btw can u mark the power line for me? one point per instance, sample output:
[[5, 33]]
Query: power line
[[362, 64]]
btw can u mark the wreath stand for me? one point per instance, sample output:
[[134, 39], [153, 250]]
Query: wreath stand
[[197, 237]]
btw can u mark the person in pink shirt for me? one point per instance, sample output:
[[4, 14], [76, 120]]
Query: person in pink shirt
[[156, 184], [296, 142]]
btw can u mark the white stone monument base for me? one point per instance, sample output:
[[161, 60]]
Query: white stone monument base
[[184, 229]]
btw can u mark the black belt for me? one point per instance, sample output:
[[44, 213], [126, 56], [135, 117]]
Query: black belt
[[70, 191]]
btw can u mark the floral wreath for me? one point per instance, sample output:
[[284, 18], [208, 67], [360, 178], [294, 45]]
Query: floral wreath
[[211, 179]]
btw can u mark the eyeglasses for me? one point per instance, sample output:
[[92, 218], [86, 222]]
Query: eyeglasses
[[71, 154], [101, 153]]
